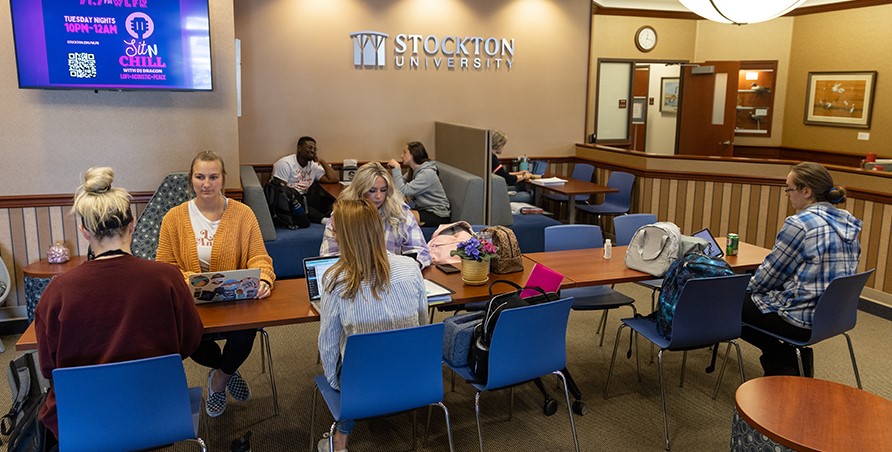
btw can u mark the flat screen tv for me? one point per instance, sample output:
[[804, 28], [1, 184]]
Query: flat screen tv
[[112, 44]]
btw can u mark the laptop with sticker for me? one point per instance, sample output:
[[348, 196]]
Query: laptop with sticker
[[210, 287], [713, 249]]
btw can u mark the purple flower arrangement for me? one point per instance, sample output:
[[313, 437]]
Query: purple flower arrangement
[[476, 249]]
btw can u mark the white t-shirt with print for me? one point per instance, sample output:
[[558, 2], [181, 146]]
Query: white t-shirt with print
[[289, 170], [204, 231]]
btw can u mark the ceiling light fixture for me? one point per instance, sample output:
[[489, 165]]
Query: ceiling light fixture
[[739, 12]]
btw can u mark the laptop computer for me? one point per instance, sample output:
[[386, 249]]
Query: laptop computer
[[227, 285], [713, 249], [314, 268]]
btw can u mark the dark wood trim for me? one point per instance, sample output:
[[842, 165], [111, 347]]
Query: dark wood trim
[[799, 155], [603, 11], [55, 200], [837, 7]]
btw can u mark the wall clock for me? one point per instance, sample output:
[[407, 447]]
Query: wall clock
[[646, 38]]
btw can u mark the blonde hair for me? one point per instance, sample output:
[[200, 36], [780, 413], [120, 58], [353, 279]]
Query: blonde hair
[[497, 139], [104, 211], [392, 209], [363, 258]]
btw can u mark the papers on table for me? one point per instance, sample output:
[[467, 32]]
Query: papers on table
[[346, 183], [549, 181], [437, 294]]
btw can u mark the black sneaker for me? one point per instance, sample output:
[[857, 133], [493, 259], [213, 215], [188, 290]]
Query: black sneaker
[[238, 388]]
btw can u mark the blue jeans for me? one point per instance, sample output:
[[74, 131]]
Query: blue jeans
[[346, 427]]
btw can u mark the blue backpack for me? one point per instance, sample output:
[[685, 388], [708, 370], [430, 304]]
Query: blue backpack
[[692, 265]]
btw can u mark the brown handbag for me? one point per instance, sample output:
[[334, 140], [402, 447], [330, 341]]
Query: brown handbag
[[509, 258]]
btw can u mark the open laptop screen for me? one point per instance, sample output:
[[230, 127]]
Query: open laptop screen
[[314, 268], [713, 249]]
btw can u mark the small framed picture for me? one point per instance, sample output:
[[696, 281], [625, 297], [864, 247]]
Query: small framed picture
[[669, 95], [840, 99]]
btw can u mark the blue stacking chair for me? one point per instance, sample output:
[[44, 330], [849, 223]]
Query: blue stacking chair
[[835, 313], [384, 373], [616, 203], [581, 171], [580, 236], [708, 312], [523, 349], [129, 405]]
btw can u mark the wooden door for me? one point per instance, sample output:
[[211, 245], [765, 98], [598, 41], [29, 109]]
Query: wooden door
[[707, 109], [640, 91]]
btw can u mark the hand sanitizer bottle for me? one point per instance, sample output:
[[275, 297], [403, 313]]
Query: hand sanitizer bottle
[[608, 249]]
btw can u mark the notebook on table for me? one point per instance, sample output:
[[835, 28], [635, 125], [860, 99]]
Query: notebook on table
[[227, 285], [713, 249], [314, 268]]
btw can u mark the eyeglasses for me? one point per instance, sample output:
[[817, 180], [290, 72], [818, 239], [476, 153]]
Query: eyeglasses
[[788, 189]]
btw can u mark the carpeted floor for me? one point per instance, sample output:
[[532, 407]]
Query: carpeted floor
[[629, 420]]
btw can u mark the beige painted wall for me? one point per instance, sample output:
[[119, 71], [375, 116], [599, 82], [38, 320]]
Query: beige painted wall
[[762, 41], [48, 138], [613, 37], [850, 40], [299, 79]]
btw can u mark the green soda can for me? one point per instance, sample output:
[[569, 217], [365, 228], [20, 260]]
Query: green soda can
[[731, 247]]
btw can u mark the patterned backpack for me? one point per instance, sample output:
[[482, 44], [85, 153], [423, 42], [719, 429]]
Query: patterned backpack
[[692, 265], [509, 259]]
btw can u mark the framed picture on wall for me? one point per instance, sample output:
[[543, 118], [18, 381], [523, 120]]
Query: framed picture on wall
[[840, 99], [669, 95]]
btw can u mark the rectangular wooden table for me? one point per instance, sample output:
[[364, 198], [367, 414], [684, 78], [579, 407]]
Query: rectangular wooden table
[[588, 267], [572, 188], [289, 303]]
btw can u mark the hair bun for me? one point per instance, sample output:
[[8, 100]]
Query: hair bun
[[836, 195], [98, 180]]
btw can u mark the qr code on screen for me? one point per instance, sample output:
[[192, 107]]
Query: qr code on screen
[[82, 65]]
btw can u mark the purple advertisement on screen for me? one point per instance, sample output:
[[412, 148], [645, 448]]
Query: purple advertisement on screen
[[112, 44]]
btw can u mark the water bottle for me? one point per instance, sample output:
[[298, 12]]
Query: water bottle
[[608, 249], [524, 163]]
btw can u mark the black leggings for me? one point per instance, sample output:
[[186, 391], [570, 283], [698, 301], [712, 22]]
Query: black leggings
[[774, 352], [429, 219], [234, 353]]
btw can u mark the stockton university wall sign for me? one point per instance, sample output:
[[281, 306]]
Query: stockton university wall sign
[[431, 52]]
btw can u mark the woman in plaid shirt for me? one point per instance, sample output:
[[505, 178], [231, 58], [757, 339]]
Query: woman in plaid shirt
[[815, 246], [401, 231]]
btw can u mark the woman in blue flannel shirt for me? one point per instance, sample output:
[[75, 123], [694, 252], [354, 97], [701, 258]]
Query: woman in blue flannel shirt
[[816, 245]]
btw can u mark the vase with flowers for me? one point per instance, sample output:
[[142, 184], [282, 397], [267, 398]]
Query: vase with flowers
[[475, 254]]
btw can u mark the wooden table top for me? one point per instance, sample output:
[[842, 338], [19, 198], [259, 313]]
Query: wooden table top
[[44, 269], [588, 267], [468, 294], [333, 189], [577, 187], [808, 414], [289, 303]]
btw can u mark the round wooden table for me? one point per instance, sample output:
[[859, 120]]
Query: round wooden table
[[38, 274], [808, 414]]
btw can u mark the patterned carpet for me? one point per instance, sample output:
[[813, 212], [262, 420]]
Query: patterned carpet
[[629, 420]]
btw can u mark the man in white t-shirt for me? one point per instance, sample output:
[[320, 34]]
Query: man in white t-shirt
[[301, 171]]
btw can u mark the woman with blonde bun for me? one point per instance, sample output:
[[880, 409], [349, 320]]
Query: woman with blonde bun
[[114, 307]]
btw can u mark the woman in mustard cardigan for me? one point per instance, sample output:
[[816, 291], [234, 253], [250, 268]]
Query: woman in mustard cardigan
[[213, 233]]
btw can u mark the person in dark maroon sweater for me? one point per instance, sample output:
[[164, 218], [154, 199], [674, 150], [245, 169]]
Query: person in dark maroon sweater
[[115, 307]]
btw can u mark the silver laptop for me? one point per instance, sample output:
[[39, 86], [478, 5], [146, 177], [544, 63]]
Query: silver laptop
[[224, 286], [713, 249]]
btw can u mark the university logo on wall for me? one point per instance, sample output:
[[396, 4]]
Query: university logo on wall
[[368, 48]]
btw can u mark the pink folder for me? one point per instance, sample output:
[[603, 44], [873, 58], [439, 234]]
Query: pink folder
[[543, 277]]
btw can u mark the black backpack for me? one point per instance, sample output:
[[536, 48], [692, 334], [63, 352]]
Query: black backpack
[[478, 354], [26, 432], [287, 206]]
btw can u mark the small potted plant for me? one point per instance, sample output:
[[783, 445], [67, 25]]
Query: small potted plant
[[475, 254]]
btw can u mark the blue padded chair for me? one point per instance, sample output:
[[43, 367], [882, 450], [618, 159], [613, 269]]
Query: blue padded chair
[[129, 405], [581, 171], [386, 372], [580, 236], [522, 350], [173, 191], [616, 203], [708, 312], [835, 313]]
